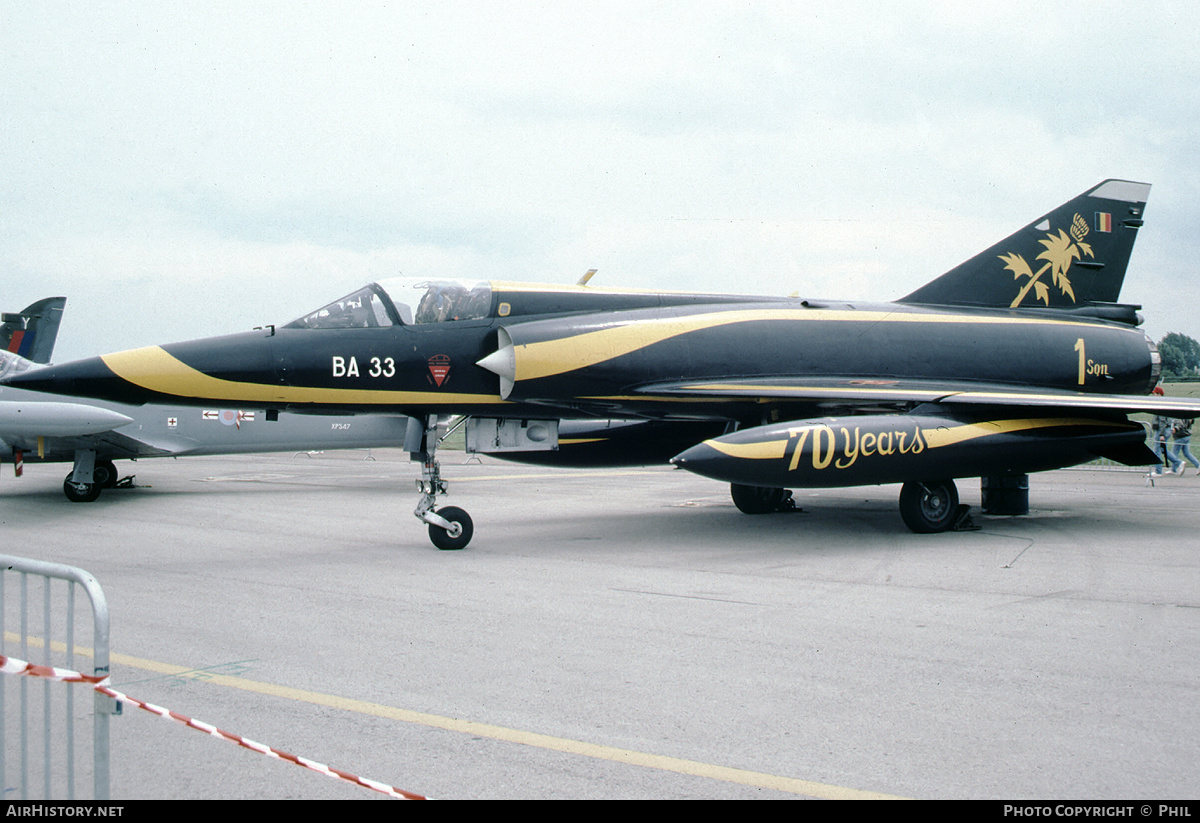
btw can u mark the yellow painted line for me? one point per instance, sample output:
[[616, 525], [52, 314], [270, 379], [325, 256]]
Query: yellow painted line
[[744, 777], [582, 473]]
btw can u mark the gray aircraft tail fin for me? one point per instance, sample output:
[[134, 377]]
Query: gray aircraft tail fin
[[1071, 258], [31, 333]]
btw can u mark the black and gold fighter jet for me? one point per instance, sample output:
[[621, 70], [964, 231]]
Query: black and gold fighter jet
[[1016, 361]]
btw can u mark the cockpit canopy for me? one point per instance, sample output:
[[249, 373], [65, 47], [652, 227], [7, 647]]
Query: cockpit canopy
[[13, 364], [402, 300]]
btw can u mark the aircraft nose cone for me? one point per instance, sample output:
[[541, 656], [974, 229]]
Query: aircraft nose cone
[[708, 460], [692, 457], [83, 378], [179, 371]]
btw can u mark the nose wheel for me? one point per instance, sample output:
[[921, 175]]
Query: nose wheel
[[450, 528], [456, 534]]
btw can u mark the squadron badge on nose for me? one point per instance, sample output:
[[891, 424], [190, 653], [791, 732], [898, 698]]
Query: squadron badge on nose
[[439, 368]]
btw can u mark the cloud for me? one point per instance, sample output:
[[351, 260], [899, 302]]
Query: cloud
[[858, 150]]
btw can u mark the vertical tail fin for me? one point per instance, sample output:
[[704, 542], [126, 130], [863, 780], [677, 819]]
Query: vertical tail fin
[[32, 332], [1072, 257]]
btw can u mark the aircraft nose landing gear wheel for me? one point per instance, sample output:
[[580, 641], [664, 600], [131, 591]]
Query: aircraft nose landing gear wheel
[[457, 534], [929, 507]]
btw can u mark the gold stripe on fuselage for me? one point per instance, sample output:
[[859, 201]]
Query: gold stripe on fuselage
[[503, 287], [950, 435], [761, 450], [154, 369], [962, 394], [770, 391], [566, 354]]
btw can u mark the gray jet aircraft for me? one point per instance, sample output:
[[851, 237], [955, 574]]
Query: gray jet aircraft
[[92, 434]]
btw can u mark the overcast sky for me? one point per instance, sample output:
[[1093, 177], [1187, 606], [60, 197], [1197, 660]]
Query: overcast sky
[[179, 170]]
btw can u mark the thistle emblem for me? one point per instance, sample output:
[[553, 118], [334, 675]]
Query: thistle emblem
[[1060, 251]]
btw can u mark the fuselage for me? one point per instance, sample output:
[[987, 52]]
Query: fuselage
[[570, 351]]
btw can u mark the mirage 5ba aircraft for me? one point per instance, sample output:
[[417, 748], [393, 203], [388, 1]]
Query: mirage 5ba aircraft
[[1016, 361]]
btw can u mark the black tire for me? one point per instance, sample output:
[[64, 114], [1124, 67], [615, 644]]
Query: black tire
[[105, 474], [929, 507], [80, 492], [757, 499], [443, 538]]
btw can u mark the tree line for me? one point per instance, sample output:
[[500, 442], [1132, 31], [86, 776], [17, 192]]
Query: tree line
[[1180, 357]]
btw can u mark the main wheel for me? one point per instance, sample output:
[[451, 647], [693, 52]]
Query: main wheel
[[459, 533], [80, 492], [756, 499], [105, 474], [928, 507]]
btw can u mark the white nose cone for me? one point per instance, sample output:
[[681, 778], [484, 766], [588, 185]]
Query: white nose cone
[[503, 362], [21, 419]]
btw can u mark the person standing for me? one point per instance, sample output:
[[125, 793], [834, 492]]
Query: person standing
[[1181, 431], [1161, 430]]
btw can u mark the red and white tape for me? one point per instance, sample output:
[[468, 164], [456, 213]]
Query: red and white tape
[[11, 665]]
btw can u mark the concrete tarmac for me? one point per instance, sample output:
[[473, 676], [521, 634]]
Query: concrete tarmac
[[629, 634]]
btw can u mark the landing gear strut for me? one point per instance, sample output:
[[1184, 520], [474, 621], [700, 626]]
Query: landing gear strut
[[450, 528], [87, 478]]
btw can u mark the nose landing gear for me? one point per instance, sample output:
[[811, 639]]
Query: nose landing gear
[[450, 527]]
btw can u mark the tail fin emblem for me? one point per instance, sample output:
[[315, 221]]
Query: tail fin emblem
[[1061, 250]]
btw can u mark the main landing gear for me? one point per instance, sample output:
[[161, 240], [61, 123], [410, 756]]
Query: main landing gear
[[89, 477], [931, 506], [450, 527], [927, 507]]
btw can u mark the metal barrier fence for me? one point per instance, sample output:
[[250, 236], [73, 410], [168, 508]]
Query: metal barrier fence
[[53, 703]]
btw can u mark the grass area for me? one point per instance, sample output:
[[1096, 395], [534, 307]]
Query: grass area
[[1188, 389], [455, 442]]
